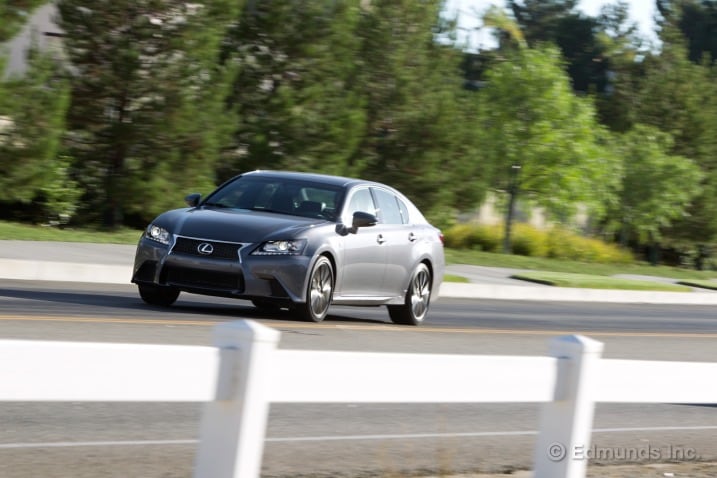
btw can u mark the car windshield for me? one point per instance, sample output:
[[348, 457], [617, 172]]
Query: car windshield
[[278, 195]]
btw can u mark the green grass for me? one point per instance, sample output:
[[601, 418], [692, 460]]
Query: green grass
[[455, 256], [24, 232], [588, 281], [454, 278]]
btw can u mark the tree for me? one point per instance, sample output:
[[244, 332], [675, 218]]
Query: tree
[[679, 97], [355, 88], [652, 192], [32, 121], [697, 20], [294, 91], [420, 133], [146, 118], [540, 19], [14, 14], [538, 125], [558, 22], [623, 52]]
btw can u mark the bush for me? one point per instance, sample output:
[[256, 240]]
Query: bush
[[529, 241], [557, 243], [474, 236], [563, 244]]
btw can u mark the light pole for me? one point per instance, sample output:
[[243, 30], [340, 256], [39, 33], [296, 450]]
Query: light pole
[[513, 189]]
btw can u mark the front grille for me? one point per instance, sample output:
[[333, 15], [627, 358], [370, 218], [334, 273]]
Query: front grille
[[221, 250], [203, 279]]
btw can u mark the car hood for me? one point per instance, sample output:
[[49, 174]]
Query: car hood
[[234, 225]]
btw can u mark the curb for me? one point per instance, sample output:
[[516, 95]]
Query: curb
[[566, 294], [18, 269], [33, 270]]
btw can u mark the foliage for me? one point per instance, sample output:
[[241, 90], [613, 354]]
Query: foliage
[[563, 244], [474, 236], [147, 99], [32, 121], [294, 90], [697, 21], [537, 124], [652, 193], [679, 98], [420, 133], [557, 243], [529, 241], [14, 14]]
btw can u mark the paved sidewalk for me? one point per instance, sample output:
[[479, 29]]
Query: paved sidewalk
[[112, 264]]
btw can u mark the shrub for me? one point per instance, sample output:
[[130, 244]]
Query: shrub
[[529, 241], [474, 236], [563, 244], [557, 243]]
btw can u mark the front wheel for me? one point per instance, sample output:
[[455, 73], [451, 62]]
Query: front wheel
[[318, 293], [158, 295], [418, 298]]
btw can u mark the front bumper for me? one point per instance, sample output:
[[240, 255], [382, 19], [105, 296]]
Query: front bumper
[[246, 276]]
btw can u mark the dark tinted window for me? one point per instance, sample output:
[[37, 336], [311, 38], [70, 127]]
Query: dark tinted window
[[388, 207], [285, 196]]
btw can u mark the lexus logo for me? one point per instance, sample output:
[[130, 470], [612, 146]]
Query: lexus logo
[[205, 248]]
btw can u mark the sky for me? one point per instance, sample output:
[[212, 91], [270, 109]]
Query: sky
[[469, 11]]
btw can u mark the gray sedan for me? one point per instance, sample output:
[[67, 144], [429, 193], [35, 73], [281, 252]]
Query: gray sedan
[[298, 241]]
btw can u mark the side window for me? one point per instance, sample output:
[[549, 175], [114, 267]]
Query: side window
[[388, 205], [361, 200], [404, 211]]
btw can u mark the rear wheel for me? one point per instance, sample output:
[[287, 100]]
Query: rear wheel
[[158, 295], [418, 298], [318, 293]]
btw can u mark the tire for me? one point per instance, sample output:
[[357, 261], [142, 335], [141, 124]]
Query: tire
[[418, 298], [319, 292], [158, 295], [266, 305]]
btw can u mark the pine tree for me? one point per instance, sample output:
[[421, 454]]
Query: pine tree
[[32, 121], [146, 118], [294, 90]]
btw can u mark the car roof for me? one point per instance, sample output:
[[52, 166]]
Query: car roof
[[315, 177]]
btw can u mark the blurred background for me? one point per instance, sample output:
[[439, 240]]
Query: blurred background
[[537, 127]]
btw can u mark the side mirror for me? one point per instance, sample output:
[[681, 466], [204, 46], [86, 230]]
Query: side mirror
[[363, 219], [193, 199], [360, 219]]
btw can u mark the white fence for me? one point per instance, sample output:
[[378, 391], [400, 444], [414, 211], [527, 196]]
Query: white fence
[[244, 372]]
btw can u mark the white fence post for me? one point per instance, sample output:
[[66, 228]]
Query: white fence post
[[233, 426], [566, 422]]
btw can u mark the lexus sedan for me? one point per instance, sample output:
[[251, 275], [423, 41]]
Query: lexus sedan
[[298, 241]]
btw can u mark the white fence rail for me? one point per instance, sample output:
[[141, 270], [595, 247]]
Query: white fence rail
[[244, 372]]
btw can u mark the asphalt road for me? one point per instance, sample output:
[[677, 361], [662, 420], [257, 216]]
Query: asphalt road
[[158, 440]]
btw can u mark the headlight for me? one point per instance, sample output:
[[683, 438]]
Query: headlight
[[293, 247], [157, 233]]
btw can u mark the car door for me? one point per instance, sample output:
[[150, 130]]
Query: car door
[[364, 254], [399, 240]]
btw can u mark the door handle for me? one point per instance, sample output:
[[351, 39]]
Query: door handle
[[380, 239], [412, 237]]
